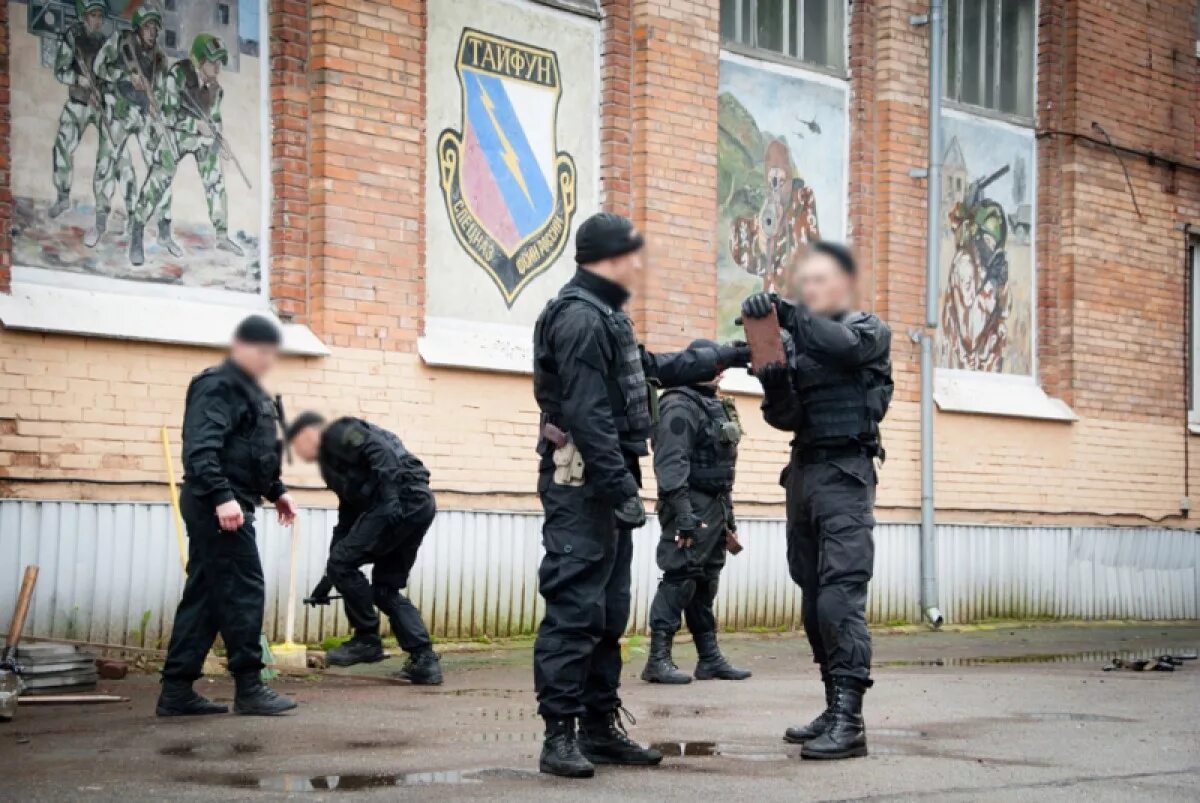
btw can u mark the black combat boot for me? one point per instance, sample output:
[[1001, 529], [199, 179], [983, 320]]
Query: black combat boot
[[60, 205], [604, 740], [560, 751], [423, 668], [255, 698], [804, 733], [660, 668], [166, 240], [178, 699], [712, 663], [136, 253], [846, 736], [364, 650]]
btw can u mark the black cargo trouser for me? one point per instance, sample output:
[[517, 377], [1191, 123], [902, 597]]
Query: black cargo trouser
[[224, 593], [831, 556], [585, 581], [388, 536], [690, 576]]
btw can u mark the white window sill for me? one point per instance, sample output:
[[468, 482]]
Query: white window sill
[[999, 395], [1194, 425], [160, 319], [455, 343]]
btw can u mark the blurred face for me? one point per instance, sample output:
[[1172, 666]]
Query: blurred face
[[824, 287], [211, 69], [93, 20], [256, 359], [307, 443], [149, 32], [623, 270]]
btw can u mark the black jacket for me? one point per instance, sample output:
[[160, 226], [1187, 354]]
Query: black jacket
[[574, 365], [231, 443]]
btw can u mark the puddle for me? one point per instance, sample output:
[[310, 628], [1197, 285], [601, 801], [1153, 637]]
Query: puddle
[[929, 751], [896, 733], [198, 750], [1099, 657], [1048, 716], [703, 749], [355, 782], [679, 711]]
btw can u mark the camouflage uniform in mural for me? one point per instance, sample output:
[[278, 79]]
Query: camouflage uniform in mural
[[134, 70], [77, 50], [193, 109], [977, 302]]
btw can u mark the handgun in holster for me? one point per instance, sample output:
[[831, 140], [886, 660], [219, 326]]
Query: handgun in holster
[[568, 461]]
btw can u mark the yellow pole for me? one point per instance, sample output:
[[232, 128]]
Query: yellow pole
[[179, 537]]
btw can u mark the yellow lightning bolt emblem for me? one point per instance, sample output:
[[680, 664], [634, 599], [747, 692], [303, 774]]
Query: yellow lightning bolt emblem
[[509, 155]]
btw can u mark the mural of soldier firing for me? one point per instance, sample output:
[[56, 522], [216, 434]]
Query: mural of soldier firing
[[987, 255], [780, 159], [123, 165]]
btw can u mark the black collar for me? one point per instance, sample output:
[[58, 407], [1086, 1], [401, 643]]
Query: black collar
[[610, 293]]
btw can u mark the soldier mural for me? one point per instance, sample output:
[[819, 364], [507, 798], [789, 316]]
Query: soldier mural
[[77, 49], [147, 85], [780, 156], [193, 109], [986, 279]]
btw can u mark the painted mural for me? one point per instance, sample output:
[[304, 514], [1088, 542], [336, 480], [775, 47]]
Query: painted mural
[[987, 251], [137, 140], [513, 89], [781, 176]]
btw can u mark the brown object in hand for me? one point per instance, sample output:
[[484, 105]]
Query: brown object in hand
[[766, 344], [732, 544], [554, 435]]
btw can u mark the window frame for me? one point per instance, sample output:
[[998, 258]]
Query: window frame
[[587, 8], [952, 100], [781, 57]]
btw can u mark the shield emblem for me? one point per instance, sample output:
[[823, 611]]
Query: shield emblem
[[509, 191]]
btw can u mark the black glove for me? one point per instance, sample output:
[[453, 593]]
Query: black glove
[[320, 594], [774, 376], [735, 354], [759, 305], [631, 512]]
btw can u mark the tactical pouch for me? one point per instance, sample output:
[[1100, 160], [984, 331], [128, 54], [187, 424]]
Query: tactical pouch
[[568, 465]]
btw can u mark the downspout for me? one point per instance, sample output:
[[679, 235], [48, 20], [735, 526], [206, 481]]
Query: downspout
[[929, 572]]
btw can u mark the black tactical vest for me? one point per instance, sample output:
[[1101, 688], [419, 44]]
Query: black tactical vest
[[345, 469], [714, 455], [252, 455], [86, 48], [840, 406], [148, 61], [198, 96], [628, 392]]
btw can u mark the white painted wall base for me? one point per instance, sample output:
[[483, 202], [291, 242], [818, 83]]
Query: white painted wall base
[[111, 573]]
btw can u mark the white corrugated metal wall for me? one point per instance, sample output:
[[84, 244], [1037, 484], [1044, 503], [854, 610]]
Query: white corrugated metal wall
[[111, 573]]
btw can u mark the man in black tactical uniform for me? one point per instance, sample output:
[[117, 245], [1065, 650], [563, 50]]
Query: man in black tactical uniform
[[833, 396], [695, 453], [591, 383], [231, 459], [385, 507]]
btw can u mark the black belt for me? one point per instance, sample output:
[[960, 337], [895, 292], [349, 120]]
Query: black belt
[[823, 454]]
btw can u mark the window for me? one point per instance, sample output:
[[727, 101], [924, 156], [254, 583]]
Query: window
[[222, 13], [1194, 417], [810, 30], [169, 5], [990, 54], [172, 39]]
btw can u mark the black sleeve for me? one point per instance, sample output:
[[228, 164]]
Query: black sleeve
[[577, 338], [211, 412], [383, 463], [859, 340], [674, 436], [781, 408], [679, 368], [347, 515]]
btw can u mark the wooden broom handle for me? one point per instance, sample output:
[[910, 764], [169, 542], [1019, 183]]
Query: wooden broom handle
[[22, 609]]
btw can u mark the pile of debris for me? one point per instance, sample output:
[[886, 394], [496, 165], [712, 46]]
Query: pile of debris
[[56, 668]]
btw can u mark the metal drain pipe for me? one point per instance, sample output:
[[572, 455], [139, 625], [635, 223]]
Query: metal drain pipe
[[929, 571]]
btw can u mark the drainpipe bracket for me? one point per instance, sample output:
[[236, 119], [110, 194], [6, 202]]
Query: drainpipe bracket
[[918, 172], [917, 20]]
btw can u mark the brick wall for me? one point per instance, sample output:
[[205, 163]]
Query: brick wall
[[5, 164], [348, 143]]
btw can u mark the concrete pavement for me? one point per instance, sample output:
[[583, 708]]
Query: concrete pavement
[[1002, 714]]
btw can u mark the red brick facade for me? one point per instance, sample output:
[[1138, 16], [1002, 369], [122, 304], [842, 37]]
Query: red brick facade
[[348, 164]]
